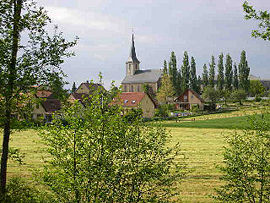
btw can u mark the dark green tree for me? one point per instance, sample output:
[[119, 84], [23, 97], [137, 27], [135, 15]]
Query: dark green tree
[[199, 84], [205, 76], [185, 69], [25, 63], [220, 77], [239, 96], [228, 73], [174, 71], [193, 75], [165, 69], [256, 88], [235, 77], [264, 21], [212, 73], [74, 88], [243, 72], [179, 83]]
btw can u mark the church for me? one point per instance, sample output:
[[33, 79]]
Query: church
[[136, 78]]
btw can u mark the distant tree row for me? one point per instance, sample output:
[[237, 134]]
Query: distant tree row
[[228, 77]]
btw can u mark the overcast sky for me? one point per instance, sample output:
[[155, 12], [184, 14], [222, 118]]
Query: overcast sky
[[201, 27]]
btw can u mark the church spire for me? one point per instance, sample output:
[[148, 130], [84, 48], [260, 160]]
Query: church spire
[[132, 56]]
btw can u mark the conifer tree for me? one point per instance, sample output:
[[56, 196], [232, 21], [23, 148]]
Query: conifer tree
[[193, 76], [199, 84], [165, 69], [212, 72], [173, 70], [74, 88], [205, 76], [228, 73], [243, 72], [235, 77], [185, 72], [220, 78]]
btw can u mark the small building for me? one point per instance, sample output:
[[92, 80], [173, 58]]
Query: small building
[[188, 99], [46, 107], [136, 100]]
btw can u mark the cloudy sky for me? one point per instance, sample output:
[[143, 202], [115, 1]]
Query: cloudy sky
[[201, 27]]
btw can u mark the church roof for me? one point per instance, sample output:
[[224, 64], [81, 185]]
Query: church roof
[[132, 56], [144, 76]]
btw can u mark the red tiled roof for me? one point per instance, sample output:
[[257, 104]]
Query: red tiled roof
[[129, 99], [43, 94], [51, 105]]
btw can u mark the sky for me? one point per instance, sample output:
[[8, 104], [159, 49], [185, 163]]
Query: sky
[[201, 27]]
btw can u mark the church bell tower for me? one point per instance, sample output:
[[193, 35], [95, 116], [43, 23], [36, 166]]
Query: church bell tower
[[132, 64]]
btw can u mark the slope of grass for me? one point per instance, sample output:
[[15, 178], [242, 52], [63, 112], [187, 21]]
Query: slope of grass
[[240, 122]]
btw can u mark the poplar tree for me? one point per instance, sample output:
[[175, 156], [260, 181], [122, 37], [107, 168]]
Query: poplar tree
[[74, 88], [165, 69], [205, 76], [185, 69], [25, 63], [243, 72], [193, 76], [179, 83], [220, 78], [199, 84], [173, 70], [235, 77], [228, 73], [212, 72]]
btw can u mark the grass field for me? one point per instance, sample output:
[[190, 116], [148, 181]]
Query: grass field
[[202, 148]]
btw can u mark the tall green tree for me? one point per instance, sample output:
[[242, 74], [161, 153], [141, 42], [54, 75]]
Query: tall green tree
[[264, 21], [166, 91], [193, 75], [235, 77], [179, 83], [205, 76], [185, 69], [74, 88], [212, 73], [25, 63], [228, 73], [199, 84], [165, 68], [173, 70], [243, 72], [256, 88], [101, 156], [220, 77]]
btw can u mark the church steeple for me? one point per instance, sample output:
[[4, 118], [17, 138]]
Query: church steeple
[[132, 64]]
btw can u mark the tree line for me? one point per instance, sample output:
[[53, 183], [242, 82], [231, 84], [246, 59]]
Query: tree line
[[228, 76]]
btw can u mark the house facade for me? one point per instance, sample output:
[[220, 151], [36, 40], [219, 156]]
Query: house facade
[[188, 99], [136, 100], [135, 78]]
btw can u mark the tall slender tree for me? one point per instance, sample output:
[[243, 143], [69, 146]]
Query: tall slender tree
[[205, 76], [174, 70], [228, 73], [179, 83], [243, 72], [24, 63], [165, 69], [199, 84], [74, 88], [193, 76], [235, 77], [185, 69], [212, 73], [220, 78]]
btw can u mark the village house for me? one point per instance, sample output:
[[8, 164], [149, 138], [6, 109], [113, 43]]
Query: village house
[[136, 78], [188, 99], [136, 100]]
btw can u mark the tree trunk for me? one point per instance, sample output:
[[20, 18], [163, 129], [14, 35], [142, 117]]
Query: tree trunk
[[9, 94]]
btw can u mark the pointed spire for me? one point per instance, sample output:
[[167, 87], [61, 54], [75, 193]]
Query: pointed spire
[[132, 56]]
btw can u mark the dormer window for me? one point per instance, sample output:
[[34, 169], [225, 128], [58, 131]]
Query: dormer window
[[133, 102], [126, 101]]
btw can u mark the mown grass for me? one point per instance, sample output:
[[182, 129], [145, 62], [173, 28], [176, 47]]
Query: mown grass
[[202, 148], [240, 122]]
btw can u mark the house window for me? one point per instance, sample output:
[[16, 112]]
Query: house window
[[185, 98], [133, 102], [126, 101]]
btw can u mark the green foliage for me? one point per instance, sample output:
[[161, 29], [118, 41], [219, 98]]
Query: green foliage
[[74, 88], [166, 91], [246, 167], [212, 72], [243, 72], [239, 96], [20, 191], [228, 73], [256, 88], [235, 77], [205, 76], [185, 69], [210, 94], [100, 156], [193, 76], [264, 21], [133, 115], [220, 77]]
